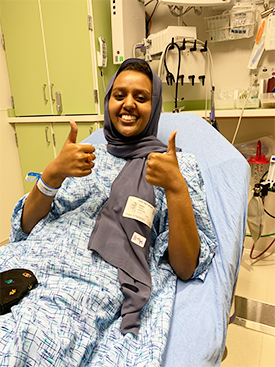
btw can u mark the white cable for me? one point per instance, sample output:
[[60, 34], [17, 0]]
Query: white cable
[[241, 116], [242, 112]]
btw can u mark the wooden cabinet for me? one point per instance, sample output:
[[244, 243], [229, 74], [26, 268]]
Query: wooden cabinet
[[49, 56]]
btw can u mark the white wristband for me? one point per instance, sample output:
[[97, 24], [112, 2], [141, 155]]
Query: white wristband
[[42, 187], [45, 189]]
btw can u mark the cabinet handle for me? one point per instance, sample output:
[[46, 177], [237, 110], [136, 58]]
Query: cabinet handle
[[51, 89], [90, 130], [46, 134], [58, 102], [44, 93]]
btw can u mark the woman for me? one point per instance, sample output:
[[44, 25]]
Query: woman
[[172, 237], [130, 106]]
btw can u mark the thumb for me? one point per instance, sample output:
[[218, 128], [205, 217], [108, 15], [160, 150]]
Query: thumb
[[171, 148], [73, 133]]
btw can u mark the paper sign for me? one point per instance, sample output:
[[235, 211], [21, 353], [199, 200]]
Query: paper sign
[[140, 210]]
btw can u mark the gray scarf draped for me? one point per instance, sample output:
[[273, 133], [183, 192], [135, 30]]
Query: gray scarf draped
[[112, 236]]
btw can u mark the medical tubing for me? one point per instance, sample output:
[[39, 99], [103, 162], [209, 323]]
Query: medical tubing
[[263, 235], [272, 216], [174, 44], [253, 247], [209, 60], [151, 16], [241, 115], [177, 81]]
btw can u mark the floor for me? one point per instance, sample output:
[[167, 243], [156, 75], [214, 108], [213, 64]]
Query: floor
[[246, 347]]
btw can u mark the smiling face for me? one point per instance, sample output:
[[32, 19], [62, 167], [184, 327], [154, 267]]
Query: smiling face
[[130, 103]]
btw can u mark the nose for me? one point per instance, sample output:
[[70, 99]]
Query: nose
[[129, 102]]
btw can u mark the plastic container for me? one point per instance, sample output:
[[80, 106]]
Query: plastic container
[[253, 100], [267, 100], [250, 103], [238, 23], [259, 165], [224, 104], [248, 148]]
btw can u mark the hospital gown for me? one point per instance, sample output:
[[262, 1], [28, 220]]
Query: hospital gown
[[72, 318]]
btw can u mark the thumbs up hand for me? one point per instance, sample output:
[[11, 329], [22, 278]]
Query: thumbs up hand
[[163, 169], [74, 160]]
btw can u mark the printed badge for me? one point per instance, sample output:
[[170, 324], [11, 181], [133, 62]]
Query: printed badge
[[140, 210]]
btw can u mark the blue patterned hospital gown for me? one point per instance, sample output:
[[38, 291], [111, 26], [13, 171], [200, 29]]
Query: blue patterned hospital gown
[[73, 317]]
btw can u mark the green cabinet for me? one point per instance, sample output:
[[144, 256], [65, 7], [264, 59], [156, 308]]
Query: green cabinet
[[49, 56], [39, 143], [35, 145], [61, 132], [21, 26], [69, 55]]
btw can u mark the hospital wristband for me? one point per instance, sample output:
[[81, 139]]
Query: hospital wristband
[[42, 187], [45, 189]]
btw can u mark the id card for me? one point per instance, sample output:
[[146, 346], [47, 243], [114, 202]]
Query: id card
[[140, 210]]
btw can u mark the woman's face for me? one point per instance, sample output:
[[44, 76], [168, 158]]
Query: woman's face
[[130, 102]]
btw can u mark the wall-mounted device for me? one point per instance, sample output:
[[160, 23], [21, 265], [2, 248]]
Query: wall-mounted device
[[102, 53], [195, 2], [157, 42], [128, 27]]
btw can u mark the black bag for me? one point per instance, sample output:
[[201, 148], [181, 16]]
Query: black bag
[[14, 285]]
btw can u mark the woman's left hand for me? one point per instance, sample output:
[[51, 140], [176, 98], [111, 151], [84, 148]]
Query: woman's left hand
[[163, 169]]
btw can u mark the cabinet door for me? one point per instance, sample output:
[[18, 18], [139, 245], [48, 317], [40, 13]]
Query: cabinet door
[[20, 23], [35, 148], [68, 46], [61, 131]]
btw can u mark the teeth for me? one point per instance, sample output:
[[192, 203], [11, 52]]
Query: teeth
[[128, 117]]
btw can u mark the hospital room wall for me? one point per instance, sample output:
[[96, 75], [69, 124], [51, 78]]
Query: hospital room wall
[[11, 185]]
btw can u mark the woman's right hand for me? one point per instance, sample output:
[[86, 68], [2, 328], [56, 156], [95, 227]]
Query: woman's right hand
[[74, 160]]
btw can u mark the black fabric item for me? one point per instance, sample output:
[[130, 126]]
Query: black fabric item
[[113, 232], [15, 284]]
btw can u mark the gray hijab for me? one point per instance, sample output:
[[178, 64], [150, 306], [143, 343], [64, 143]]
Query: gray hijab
[[113, 233]]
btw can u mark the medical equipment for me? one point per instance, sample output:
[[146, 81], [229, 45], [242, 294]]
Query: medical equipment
[[196, 2], [182, 60], [128, 27], [258, 164], [156, 42], [102, 53], [256, 210], [191, 70], [237, 23], [271, 172]]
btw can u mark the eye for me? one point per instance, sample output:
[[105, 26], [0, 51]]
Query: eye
[[141, 98], [118, 96]]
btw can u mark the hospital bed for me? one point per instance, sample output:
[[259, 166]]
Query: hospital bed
[[201, 310]]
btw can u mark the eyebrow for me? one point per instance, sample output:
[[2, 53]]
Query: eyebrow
[[123, 89]]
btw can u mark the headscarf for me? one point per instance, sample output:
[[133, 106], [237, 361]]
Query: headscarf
[[114, 234]]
